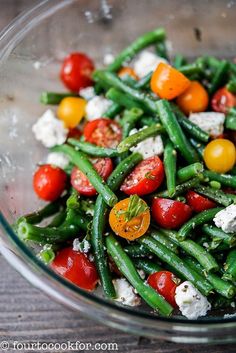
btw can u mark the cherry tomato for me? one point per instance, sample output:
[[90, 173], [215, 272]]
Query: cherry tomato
[[71, 111], [49, 182], [165, 283], [223, 100], [127, 71], [103, 132], [170, 214], [81, 183], [194, 99], [198, 203], [74, 133], [146, 177], [220, 155], [167, 82], [76, 267], [131, 229], [76, 71]]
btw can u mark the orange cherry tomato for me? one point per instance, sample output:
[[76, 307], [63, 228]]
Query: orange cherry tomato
[[71, 111], [194, 99], [131, 229], [220, 155], [126, 70], [167, 82]]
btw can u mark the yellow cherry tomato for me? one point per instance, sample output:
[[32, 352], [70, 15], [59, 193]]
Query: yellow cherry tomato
[[71, 110], [220, 155], [133, 228]]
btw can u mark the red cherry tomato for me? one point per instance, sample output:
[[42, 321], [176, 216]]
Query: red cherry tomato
[[223, 100], [170, 214], [198, 202], [146, 177], [76, 71], [165, 283], [74, 133], [49, 182], [81, 183], [103, 132], [76, 267]]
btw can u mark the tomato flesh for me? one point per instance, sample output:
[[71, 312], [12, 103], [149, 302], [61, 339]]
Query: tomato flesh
[[103, 132], [165, 283], [81, 183], [170, 214], [49, 182], [146, 177], [198, 202], [76, 267], [223, 100]]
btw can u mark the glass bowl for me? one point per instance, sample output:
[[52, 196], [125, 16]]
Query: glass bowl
[[31, 50]]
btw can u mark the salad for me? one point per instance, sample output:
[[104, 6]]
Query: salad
[[140, 179]]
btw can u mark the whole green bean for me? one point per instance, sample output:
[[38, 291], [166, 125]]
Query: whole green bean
[[58, 219], [190, 69], [220, 76], [199, 219], [179, 190], [92, 149], [170, 167], [161, 49], [218, 196], [175, 132], [122, 99], [144, 82], [147, 266], [218, 234], [129, 120], [230, 266], [224, 179], [125, 265], [137, 250], [231, 86], [189, 172], [179, 60], [163, 239], [230, 121], [113, 110], [148, 121], [54, 98], [199, 147], [135, 47]]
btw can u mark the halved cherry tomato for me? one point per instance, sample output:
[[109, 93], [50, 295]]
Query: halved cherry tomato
[[103, 132], [165, 283], [76, 71], [71, 111], [81, 183], [170, 214], [76, 267], [194, 99], [197, 202], [146, 177], [220, 155], [127, 71], [167, 82], [49, 182], [74, 133], [133, 228], [223, 100]]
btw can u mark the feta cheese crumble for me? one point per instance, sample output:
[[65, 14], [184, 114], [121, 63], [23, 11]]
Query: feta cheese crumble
[[126, 293], [49, 130], [58, 159], [211, 122], [81, 246], [108, 59], [147, 62], [190, 301], [87, 93], [96, 107], [152, 146], [226, 219]]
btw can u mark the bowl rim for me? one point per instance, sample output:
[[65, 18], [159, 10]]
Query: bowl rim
[[10, 37]]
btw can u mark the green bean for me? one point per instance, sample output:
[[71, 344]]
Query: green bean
[[54, 98], [135, 47], [58, 219], [190, 69], [113, 110], [230, 266], [128, 80], [192, 248], [147, 266], [146, 121], [231, 86], [220, 76], [86, 167], [199, 147], [233, 171], [122, 99], [137, 250], [219, 235], [129, 120], [233, 68], [230, 122], [175, 132], [139, 136], [167, 256], [125, 265], [92, 149], [189, 172], [179, 60], [222, 287], [163, 239], [215, 185], [199, 219], [47, 254], [179, 190], [224, 179], [161, 49], [143, 82], [170, 167], [215, 195]]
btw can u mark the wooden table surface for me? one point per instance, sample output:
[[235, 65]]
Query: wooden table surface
[[27, 315]]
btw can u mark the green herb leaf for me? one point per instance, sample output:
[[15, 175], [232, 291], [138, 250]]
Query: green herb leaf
[[135, 208]]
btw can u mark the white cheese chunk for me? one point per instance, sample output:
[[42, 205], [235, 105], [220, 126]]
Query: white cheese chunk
[[81, 246], [49, 130], [126, 293], [190, 301], [147, 62], [58, 159], [108, 59], [226, 219], [152, 146], [87, 93], [96, 107], [211, 122]]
